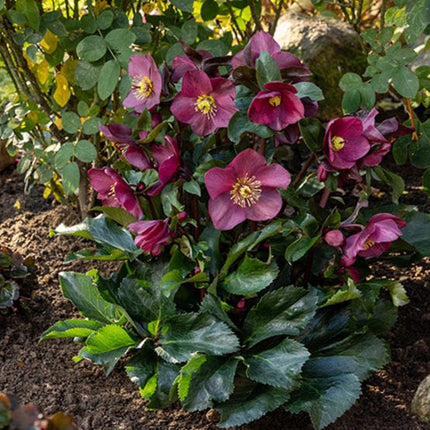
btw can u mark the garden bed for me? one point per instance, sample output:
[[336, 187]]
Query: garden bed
[[44, 374]]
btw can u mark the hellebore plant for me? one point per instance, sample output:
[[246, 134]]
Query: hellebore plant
[[244, 281]]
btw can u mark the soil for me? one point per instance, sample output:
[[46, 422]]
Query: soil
[[45, 375]]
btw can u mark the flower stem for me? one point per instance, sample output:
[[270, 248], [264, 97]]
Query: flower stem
[[411, 116], [324, 197], [302, 172]]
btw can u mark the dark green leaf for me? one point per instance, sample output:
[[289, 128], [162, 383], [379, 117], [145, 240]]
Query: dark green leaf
[[63, 155], [267, 69], [417, 232], [205, 379], [249, 405], [312, 132], [252, 276], [120, 215], [83, 293], [190, 333], [419, 152], [141, 366], [209, 10], [71, 122], [325, 399], [309, 89], [105, 19], [279, 366], [185, 5], [346, 293], [240, 124], [405, 82], [30, 10], [86, 75], [285, 311], [299, 248]]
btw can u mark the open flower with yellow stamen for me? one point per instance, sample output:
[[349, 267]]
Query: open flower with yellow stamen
[[205, 104], [277, 106], [146, 83], [245, 189], [344, 142], [374, 239]]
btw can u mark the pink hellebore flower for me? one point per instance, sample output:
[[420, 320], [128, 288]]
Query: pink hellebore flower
[[262, 41], [168, 161], [245, 189], [277, 106], [334, 238], [120, 134], [146, 83], [374, 239], [151, 235], [204, 103], [114, 191], [344, 142], [183, 63]]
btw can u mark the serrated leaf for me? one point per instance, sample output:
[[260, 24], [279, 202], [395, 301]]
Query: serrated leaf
[[83, 293], [267, 69], [71, 328], [107, 346], [191, 333], [205, 380], [285, 311], [325, 399], [249, 405], [110, 72], [279, 366], [252, 276], [351, 292], [141, 367]]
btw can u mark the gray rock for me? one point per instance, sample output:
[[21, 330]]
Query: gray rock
[[421, 402], [329, 47]]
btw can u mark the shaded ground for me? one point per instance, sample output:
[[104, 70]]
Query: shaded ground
[[44, 374]]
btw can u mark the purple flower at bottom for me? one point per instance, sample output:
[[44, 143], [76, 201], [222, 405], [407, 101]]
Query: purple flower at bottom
[[146, 83], [151, 235], [245, 189], [277, 106], [114, 191], [374, 239], [205, 104], [344, 142]]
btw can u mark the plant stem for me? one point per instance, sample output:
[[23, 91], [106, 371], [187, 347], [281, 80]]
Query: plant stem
[[412, 118], [324, 197], [304, 169]]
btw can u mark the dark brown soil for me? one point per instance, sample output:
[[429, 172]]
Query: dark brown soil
[[44, 374]]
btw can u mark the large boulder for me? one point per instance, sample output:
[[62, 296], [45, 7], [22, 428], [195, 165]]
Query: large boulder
[[329, 47], [421, 401]]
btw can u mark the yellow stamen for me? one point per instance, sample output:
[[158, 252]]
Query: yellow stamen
[[368, 244], [337, 143], [275, 101], [206, 105], [246, 191], [142, 87]]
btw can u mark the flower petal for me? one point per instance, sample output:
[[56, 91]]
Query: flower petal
[[224, 214], [274, 176], [219, 181], [267, 207]]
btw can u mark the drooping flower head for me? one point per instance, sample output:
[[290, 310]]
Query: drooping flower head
[[205, 104], [146, 83], [151, 235], [184, 63], [292, 68], [168, 161], [120, 134], [114, 191], [245, 189], [277, 106], [344, 142], [374, 239]]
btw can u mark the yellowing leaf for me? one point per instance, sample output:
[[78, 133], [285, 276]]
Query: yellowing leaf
[[68, 70], [100, 6], [47, 192], [58, 123], [17, 205], [62, 93], [42, 72], [49, 42]]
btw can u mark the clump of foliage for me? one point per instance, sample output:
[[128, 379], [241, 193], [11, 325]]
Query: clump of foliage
[[17, 277], [27, 417], [245, 227]]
